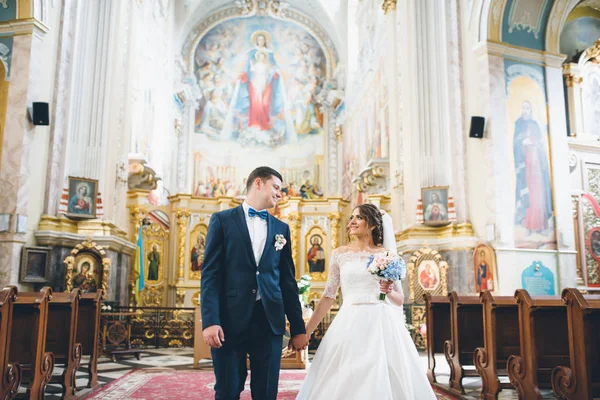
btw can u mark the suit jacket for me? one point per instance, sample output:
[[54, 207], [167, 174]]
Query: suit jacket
[[231, 278]]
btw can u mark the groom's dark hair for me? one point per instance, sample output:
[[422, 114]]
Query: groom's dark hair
[[264, 173]]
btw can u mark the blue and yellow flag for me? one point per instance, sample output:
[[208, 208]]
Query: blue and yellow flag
[[139, 265]]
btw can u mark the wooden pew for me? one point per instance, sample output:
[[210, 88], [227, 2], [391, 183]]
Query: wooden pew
[[500, 341], [582, 380], [437, 320], [28, 340], [466, 320], [63, 312], [544, 344], [10, 374], [88, 331]]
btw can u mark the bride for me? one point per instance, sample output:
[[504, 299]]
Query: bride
[[367, 352]]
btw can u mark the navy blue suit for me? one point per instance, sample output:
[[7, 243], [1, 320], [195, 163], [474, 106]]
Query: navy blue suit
[[230, 280]]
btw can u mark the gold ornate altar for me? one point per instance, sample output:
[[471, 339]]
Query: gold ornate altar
[[175, 256]]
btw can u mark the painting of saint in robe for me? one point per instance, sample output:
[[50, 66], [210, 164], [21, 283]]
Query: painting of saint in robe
[[316, 255], [484, 274], [435, 211], [80, 202], [197, 254], [153, 263], [533, 196]]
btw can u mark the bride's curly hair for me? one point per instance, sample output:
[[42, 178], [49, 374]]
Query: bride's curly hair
[[372, 215]]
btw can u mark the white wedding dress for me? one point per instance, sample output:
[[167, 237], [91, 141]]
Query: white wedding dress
[[367, 352]]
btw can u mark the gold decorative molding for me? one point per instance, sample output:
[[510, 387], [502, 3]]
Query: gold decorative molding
[[334, 220], [196, 298], [93, 227], [437, 232], [388, 6], [295, 222], [182, 221], [416, 290]]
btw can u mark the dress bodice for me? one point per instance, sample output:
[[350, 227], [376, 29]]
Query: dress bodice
[[348, 270]]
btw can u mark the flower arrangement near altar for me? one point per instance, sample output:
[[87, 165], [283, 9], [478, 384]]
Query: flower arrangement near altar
[[304, 287], [387, 267]]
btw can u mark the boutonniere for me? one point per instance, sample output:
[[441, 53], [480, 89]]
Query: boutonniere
[[279, 241]]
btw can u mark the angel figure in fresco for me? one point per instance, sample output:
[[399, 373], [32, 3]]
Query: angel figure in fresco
[[197, 256], [153, 263], [533, 202]]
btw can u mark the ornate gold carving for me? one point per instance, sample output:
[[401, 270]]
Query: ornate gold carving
[[179, 297], [151, 296], [182, 220], [571, 80], [388, 6], [416, 289], [334, 220], [593, 53], [294, 221], [196, 298], [339, 131]]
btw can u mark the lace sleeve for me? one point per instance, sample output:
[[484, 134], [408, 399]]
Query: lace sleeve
[[333, 280]]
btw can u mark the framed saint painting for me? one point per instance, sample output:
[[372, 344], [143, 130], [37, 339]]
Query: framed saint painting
[[82, 198]]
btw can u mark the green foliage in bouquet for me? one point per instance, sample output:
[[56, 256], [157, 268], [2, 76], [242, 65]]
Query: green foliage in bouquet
[[304, 287]]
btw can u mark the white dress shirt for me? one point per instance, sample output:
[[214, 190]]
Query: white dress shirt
[[257, 228]]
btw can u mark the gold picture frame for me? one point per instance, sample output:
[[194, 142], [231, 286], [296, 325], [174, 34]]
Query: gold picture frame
[[434, 281]]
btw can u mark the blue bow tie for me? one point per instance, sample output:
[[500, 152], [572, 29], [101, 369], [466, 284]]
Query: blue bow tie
[[260, 214]]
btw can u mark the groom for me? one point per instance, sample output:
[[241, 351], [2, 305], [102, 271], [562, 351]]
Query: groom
[[248, 287]]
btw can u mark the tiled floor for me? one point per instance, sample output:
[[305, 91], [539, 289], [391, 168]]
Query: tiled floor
[[183, 358]]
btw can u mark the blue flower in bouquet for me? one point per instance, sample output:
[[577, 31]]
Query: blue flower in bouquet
[[388, 267]]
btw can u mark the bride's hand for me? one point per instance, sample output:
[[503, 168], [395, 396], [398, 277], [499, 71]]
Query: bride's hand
[[386, 286]]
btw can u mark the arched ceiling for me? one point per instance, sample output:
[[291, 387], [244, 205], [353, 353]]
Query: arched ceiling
[[190, 12]]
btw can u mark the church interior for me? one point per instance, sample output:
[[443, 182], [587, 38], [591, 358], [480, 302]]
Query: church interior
[[126, 124]]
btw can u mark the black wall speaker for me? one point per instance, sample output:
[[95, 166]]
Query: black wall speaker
[[477, 125], [39, 114]]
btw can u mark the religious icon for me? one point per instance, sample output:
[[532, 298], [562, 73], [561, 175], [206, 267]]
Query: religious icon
[[86, 275], [429, 274], [435, 205], [82, 198], [594, 243], [153, 263], [197, 253], [484, 266], [316, 255]]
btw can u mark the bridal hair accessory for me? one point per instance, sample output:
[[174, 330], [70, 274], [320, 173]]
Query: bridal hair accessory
[[387, 267], [279, 241]]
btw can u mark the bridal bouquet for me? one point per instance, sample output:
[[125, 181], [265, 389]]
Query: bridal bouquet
[[388, 267]]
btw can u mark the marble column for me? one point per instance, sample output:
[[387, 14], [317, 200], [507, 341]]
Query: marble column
[[60, 106], [559, 154], [15, 171], [431, 145]]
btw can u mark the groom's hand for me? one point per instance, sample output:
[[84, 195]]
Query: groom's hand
[[214, 336], [298, 342]]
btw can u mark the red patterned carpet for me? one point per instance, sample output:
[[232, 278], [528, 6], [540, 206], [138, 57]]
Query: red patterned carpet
[[166, 383]]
